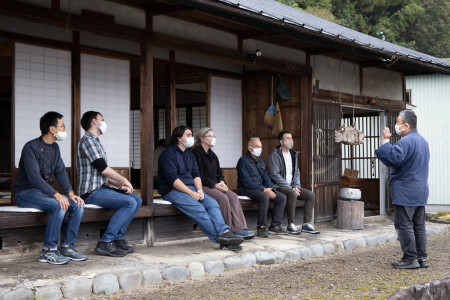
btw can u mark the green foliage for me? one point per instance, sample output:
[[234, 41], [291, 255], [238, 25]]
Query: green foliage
[[421, 25]]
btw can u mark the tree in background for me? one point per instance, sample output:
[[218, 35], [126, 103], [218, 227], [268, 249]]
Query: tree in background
[[421, 25]]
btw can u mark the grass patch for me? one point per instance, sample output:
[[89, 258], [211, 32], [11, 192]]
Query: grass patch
[[442, 215]]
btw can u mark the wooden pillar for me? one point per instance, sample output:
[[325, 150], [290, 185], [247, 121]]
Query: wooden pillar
[[306, 114], [76, 103], [56, 4], [171, 103], [146, 104]]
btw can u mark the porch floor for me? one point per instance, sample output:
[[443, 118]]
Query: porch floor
[[25, 271]]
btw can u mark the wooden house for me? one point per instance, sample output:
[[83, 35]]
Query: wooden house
[[149, 65]]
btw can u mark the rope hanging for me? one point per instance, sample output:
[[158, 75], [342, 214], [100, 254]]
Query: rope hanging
[[348, 135]]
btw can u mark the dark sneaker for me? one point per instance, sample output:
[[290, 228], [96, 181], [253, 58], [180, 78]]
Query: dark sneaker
[[122, 244], [292, 229], [245, 234], [234, 248], [277, 230], [406, 264], [309, 229], [229, 238], [72, 253], [53, 257], [423, 262], [262, 232], [108, 249]]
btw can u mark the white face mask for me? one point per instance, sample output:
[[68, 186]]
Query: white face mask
[[189, 142], [213, 142], [103, 127], [289, 144], [256, 152], [398, 130], [61, 135]]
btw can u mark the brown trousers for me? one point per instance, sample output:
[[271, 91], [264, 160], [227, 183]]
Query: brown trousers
[[230, 207], [306, 195]]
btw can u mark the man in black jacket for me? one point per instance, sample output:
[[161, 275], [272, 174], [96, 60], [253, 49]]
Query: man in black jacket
[[285, 175]]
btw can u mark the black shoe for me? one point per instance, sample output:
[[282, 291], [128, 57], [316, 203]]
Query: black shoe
[[229, 238], [423, 262], [406, 264], [234, 248], [277, 230], [262, 232], [123, 245], [108, 249], [245, 234]]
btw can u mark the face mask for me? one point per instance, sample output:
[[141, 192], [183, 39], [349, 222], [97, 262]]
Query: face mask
[[189, 142], [61, 135], [288, 144], [256, 152], [398, 130], [213, 142], [103, 127]]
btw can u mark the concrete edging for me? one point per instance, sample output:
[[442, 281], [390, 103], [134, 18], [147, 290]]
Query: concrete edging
[[111, 283]]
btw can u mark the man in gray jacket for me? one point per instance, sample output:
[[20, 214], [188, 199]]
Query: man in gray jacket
[[285, 175]]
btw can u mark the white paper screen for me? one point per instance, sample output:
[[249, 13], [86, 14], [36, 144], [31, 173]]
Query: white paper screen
[[42, 83], [226, 119], [105, 87]]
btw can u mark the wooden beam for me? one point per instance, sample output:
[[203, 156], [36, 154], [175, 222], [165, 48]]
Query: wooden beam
[[171, 103], [174, 43], [360, 101], [76, 102], [306, 113]]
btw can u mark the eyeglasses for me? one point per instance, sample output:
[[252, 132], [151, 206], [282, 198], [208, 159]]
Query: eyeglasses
[[210, 136], [61, 126]]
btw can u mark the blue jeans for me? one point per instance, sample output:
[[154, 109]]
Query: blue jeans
[[206, 213], [126, 206], [409, 223], [36, 199]]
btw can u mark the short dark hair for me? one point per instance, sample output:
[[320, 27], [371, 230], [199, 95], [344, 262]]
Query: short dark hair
[[409, 116], [178, 132], [282, 133], [49, 119], [87, 118]]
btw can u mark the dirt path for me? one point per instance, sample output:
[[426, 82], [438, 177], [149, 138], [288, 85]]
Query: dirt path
[[363, 273]]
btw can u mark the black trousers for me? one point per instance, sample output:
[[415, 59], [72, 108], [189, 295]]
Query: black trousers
[[409, 223], [263, 205]]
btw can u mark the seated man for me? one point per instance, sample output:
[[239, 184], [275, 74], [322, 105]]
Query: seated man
[[40, 160], [94, 175], [285, 174], [254, 183], [179, 183]]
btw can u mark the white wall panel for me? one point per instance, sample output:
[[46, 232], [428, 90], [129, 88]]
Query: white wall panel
[[431, 96], [105, 87], [42, 83], [226, 119], [383, 83]]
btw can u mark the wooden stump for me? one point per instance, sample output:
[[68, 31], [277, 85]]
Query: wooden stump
[[350, 214]]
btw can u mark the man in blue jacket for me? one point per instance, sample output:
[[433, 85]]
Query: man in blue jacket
[[40, 160], [254, 182], [179, 183], [409, 161]]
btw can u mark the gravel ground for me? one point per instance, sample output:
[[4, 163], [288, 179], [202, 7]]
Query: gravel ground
[[363, 273]]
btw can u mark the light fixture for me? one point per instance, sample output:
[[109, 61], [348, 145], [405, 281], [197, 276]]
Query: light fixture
[[253, 56]]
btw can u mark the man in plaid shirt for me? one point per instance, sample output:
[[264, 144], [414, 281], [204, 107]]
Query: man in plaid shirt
[[94, 176]]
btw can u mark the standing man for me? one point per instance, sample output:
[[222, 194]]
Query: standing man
[[409, 161], [285, 174], [40, 160], [94, 176], [254, 183]]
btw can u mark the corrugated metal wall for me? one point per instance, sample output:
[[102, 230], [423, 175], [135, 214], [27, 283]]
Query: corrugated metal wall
[[431, 96]]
